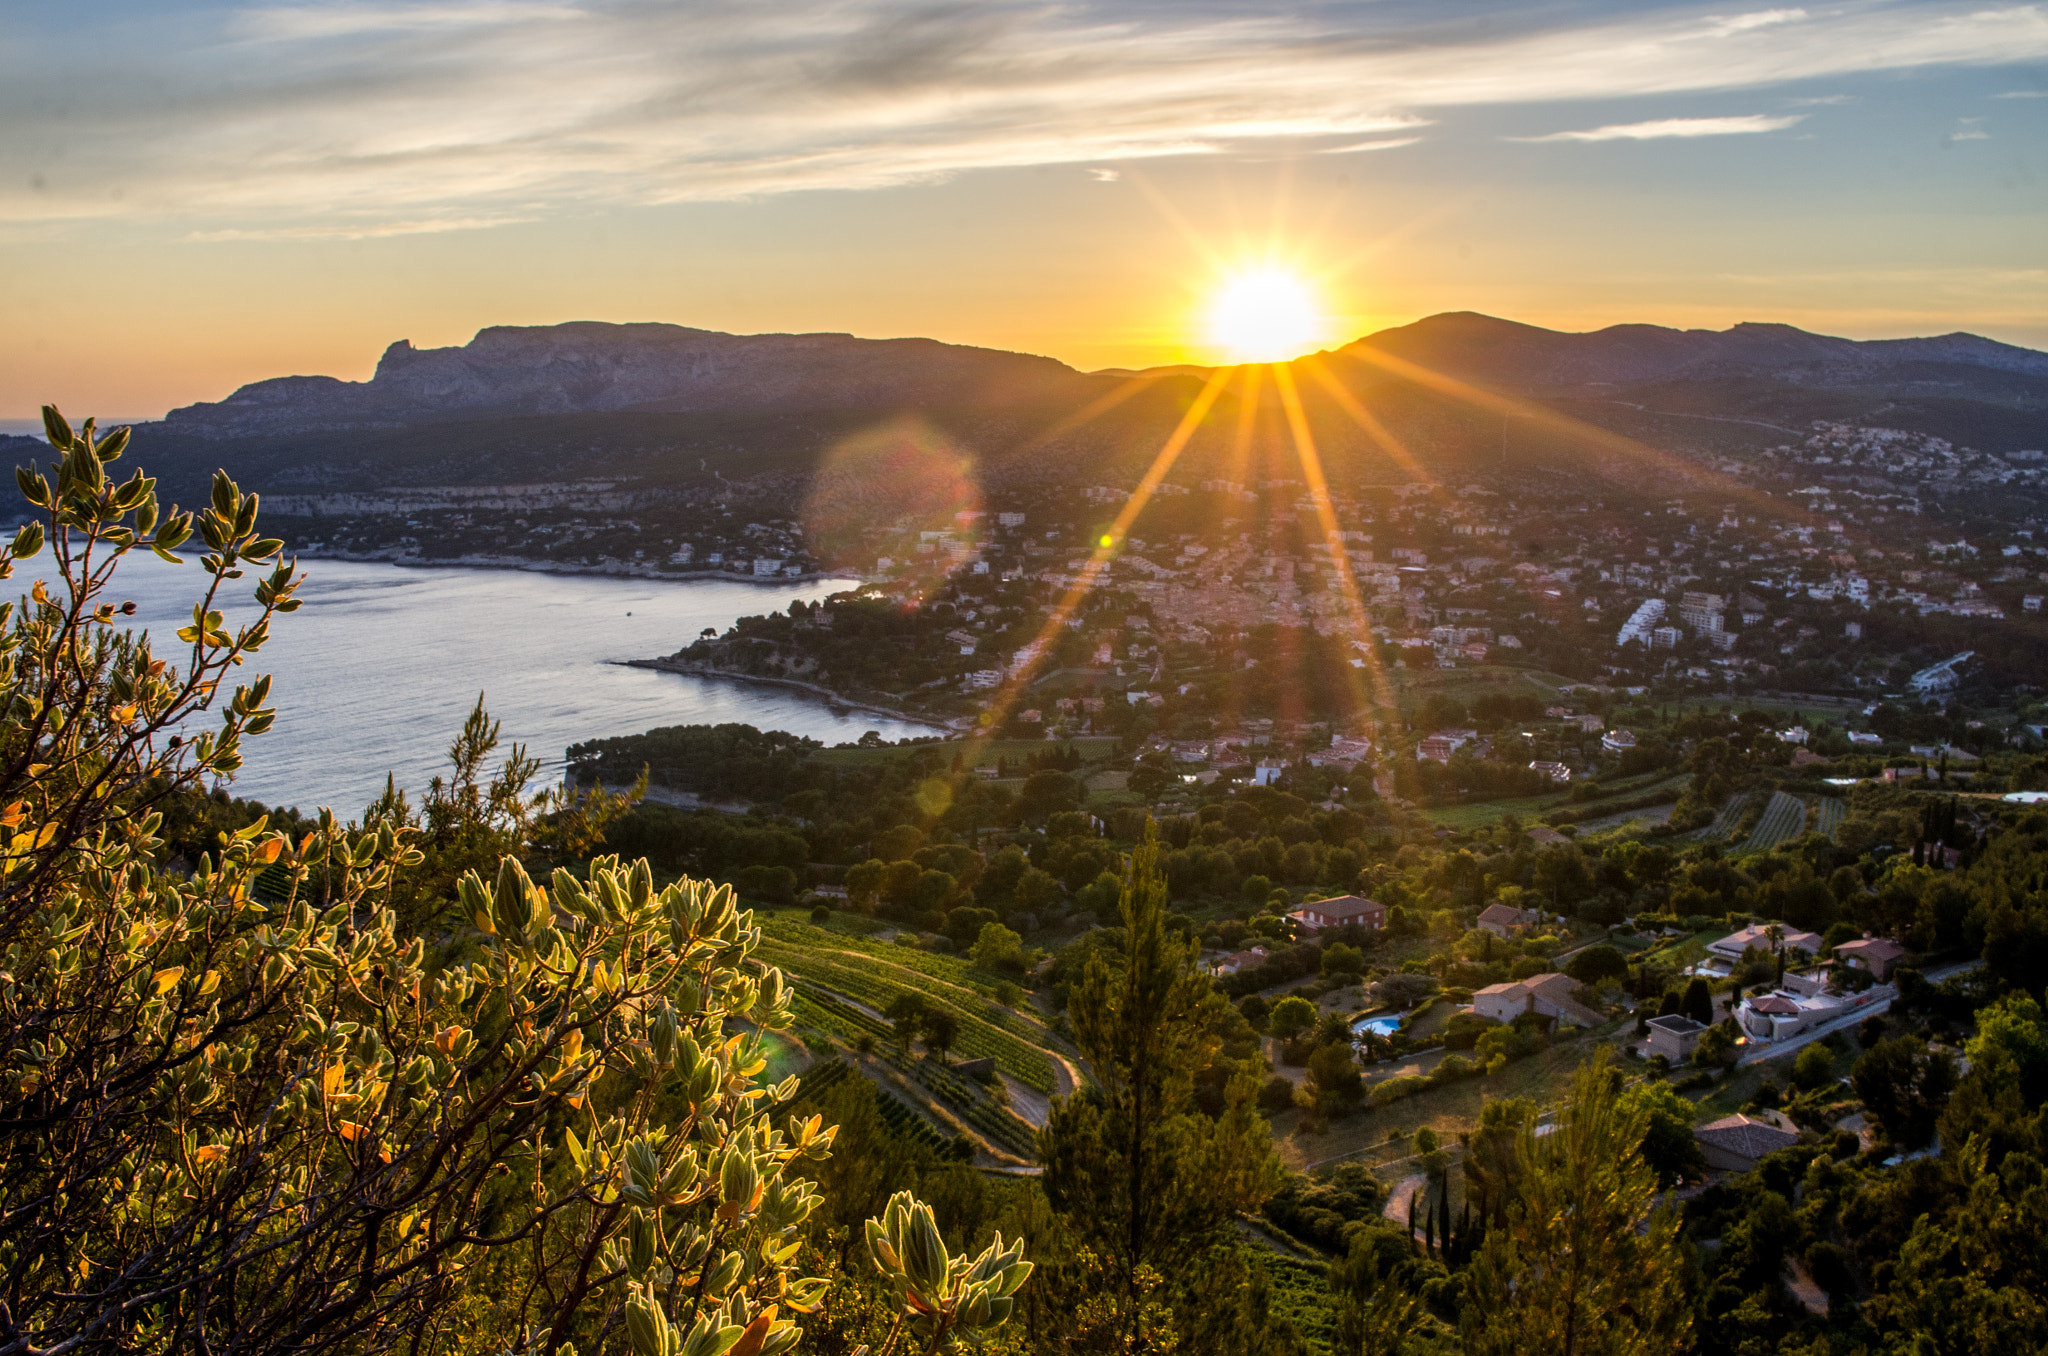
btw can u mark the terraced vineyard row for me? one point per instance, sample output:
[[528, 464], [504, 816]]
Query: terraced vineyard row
[[1724, 822], [900, 1119], [1829, 812], [979, 1038], [947, 968], [1784, 819], [825, 1012]]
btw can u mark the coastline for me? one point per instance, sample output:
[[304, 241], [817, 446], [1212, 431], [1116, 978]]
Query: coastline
[[832, 698], [618, 569]]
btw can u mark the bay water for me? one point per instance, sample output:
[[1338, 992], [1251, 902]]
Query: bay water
[[376, 671]]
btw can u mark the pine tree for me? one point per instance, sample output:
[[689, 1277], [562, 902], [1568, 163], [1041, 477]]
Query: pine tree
[[1587, 1264], [1141, 1177]]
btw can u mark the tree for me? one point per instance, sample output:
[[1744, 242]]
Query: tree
[[1698, 1002], [1903, 1087], [1140, 1176], [1587, 1262], [1290, 1017], [1971, 1283], [998, 948], [1667, 1144], [1492, 1170], [2011, 1045], [1377, 1315], [941, 1029], [1562, 876], [906, 1013], [864, 883], [1047, 793], [1814, 1068], [242, 1107], [1334, 1072], [1597, 965]]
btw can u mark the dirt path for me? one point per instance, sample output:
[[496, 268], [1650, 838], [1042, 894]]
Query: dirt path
[[1404, 1192]]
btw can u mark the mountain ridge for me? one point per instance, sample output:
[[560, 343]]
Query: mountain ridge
[[654, 367], [647, 367]]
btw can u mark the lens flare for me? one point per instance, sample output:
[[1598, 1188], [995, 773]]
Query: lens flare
[[1265, 315]]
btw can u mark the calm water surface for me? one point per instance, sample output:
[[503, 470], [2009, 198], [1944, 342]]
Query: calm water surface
[[376, 671]]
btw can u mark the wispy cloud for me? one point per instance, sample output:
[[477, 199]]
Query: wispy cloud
[[1969, 129], [344, 118], [2023, 94], [1383, 144], [1104, 176], [1763, 18], [1675, 127]]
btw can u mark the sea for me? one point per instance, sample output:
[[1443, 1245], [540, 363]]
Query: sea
[[375, 673]]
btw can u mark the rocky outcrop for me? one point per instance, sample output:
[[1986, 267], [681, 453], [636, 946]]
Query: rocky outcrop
[[590, 366]]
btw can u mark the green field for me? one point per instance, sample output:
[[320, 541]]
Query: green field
[[1487, 812]]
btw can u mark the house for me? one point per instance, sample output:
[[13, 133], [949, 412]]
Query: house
[[1441, 745], [1757, 937], [1342, 753], [1550, 995], [1875, 954], [1557, 772], [1342, 912], [1266, 773], [1739, 1143], [1618, 741], [1674, 1035], [1236, 961], [1500, 920], [1784, 1013]]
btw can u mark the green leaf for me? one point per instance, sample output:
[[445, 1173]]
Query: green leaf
[[55, 426]]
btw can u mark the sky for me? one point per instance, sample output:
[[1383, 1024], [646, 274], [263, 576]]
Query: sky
[[197, 195]]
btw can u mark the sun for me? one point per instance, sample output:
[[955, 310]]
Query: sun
[[1265, 315]]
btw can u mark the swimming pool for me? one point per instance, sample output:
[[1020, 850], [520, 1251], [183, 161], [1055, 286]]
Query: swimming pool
[[1379, 1026]]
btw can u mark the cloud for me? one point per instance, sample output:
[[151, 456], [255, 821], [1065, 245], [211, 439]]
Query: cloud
[[1675, 127], [1967, 130], [1383, 144], [1104, 176], [1823, 101], [286, 119], [2023, 94], [1765, 18]]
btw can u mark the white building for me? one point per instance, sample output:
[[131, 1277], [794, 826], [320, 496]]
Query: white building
[[1640, 623]]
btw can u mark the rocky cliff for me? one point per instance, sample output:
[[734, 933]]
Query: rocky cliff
[[588, 366]]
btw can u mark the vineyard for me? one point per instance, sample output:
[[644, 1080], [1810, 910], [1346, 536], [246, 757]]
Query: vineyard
[[843, 984], [901, 1120], [962, 1096], [1724, 823], [826, 976], [1828, 814], [1784, 819]]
